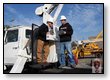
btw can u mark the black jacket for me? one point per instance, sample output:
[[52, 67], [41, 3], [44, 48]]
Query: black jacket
[[43, 29], [64, 37]]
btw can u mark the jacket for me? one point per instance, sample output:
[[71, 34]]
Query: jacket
[[66, 32], [43, 29]]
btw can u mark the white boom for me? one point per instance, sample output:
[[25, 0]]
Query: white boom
[[46, 11], [20, 62]]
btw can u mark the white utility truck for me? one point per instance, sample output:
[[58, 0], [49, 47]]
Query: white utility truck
[[15, 40]]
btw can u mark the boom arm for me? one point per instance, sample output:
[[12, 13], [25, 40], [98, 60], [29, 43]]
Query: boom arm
[[46, 11], [99, 35]]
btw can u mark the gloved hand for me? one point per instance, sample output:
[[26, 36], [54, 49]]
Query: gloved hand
[[61, 32]]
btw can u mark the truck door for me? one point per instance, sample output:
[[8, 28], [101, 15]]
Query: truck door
[[11, 46]]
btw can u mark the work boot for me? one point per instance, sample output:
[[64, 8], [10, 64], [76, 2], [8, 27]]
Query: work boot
[[61, 66], [73, 65]]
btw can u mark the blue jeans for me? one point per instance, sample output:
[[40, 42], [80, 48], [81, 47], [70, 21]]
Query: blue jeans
[[66, 45]]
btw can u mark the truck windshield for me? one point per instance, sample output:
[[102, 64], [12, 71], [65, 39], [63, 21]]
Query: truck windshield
[[12, 36]]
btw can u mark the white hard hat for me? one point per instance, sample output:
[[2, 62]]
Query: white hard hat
[[62, 17], [50, 20]]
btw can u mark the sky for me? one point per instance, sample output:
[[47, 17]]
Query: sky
[[85, 19]]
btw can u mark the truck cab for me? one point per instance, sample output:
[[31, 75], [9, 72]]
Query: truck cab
[[15, 39]]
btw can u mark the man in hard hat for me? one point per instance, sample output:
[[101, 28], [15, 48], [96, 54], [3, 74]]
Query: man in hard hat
[[65, 33], [42, 42]]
